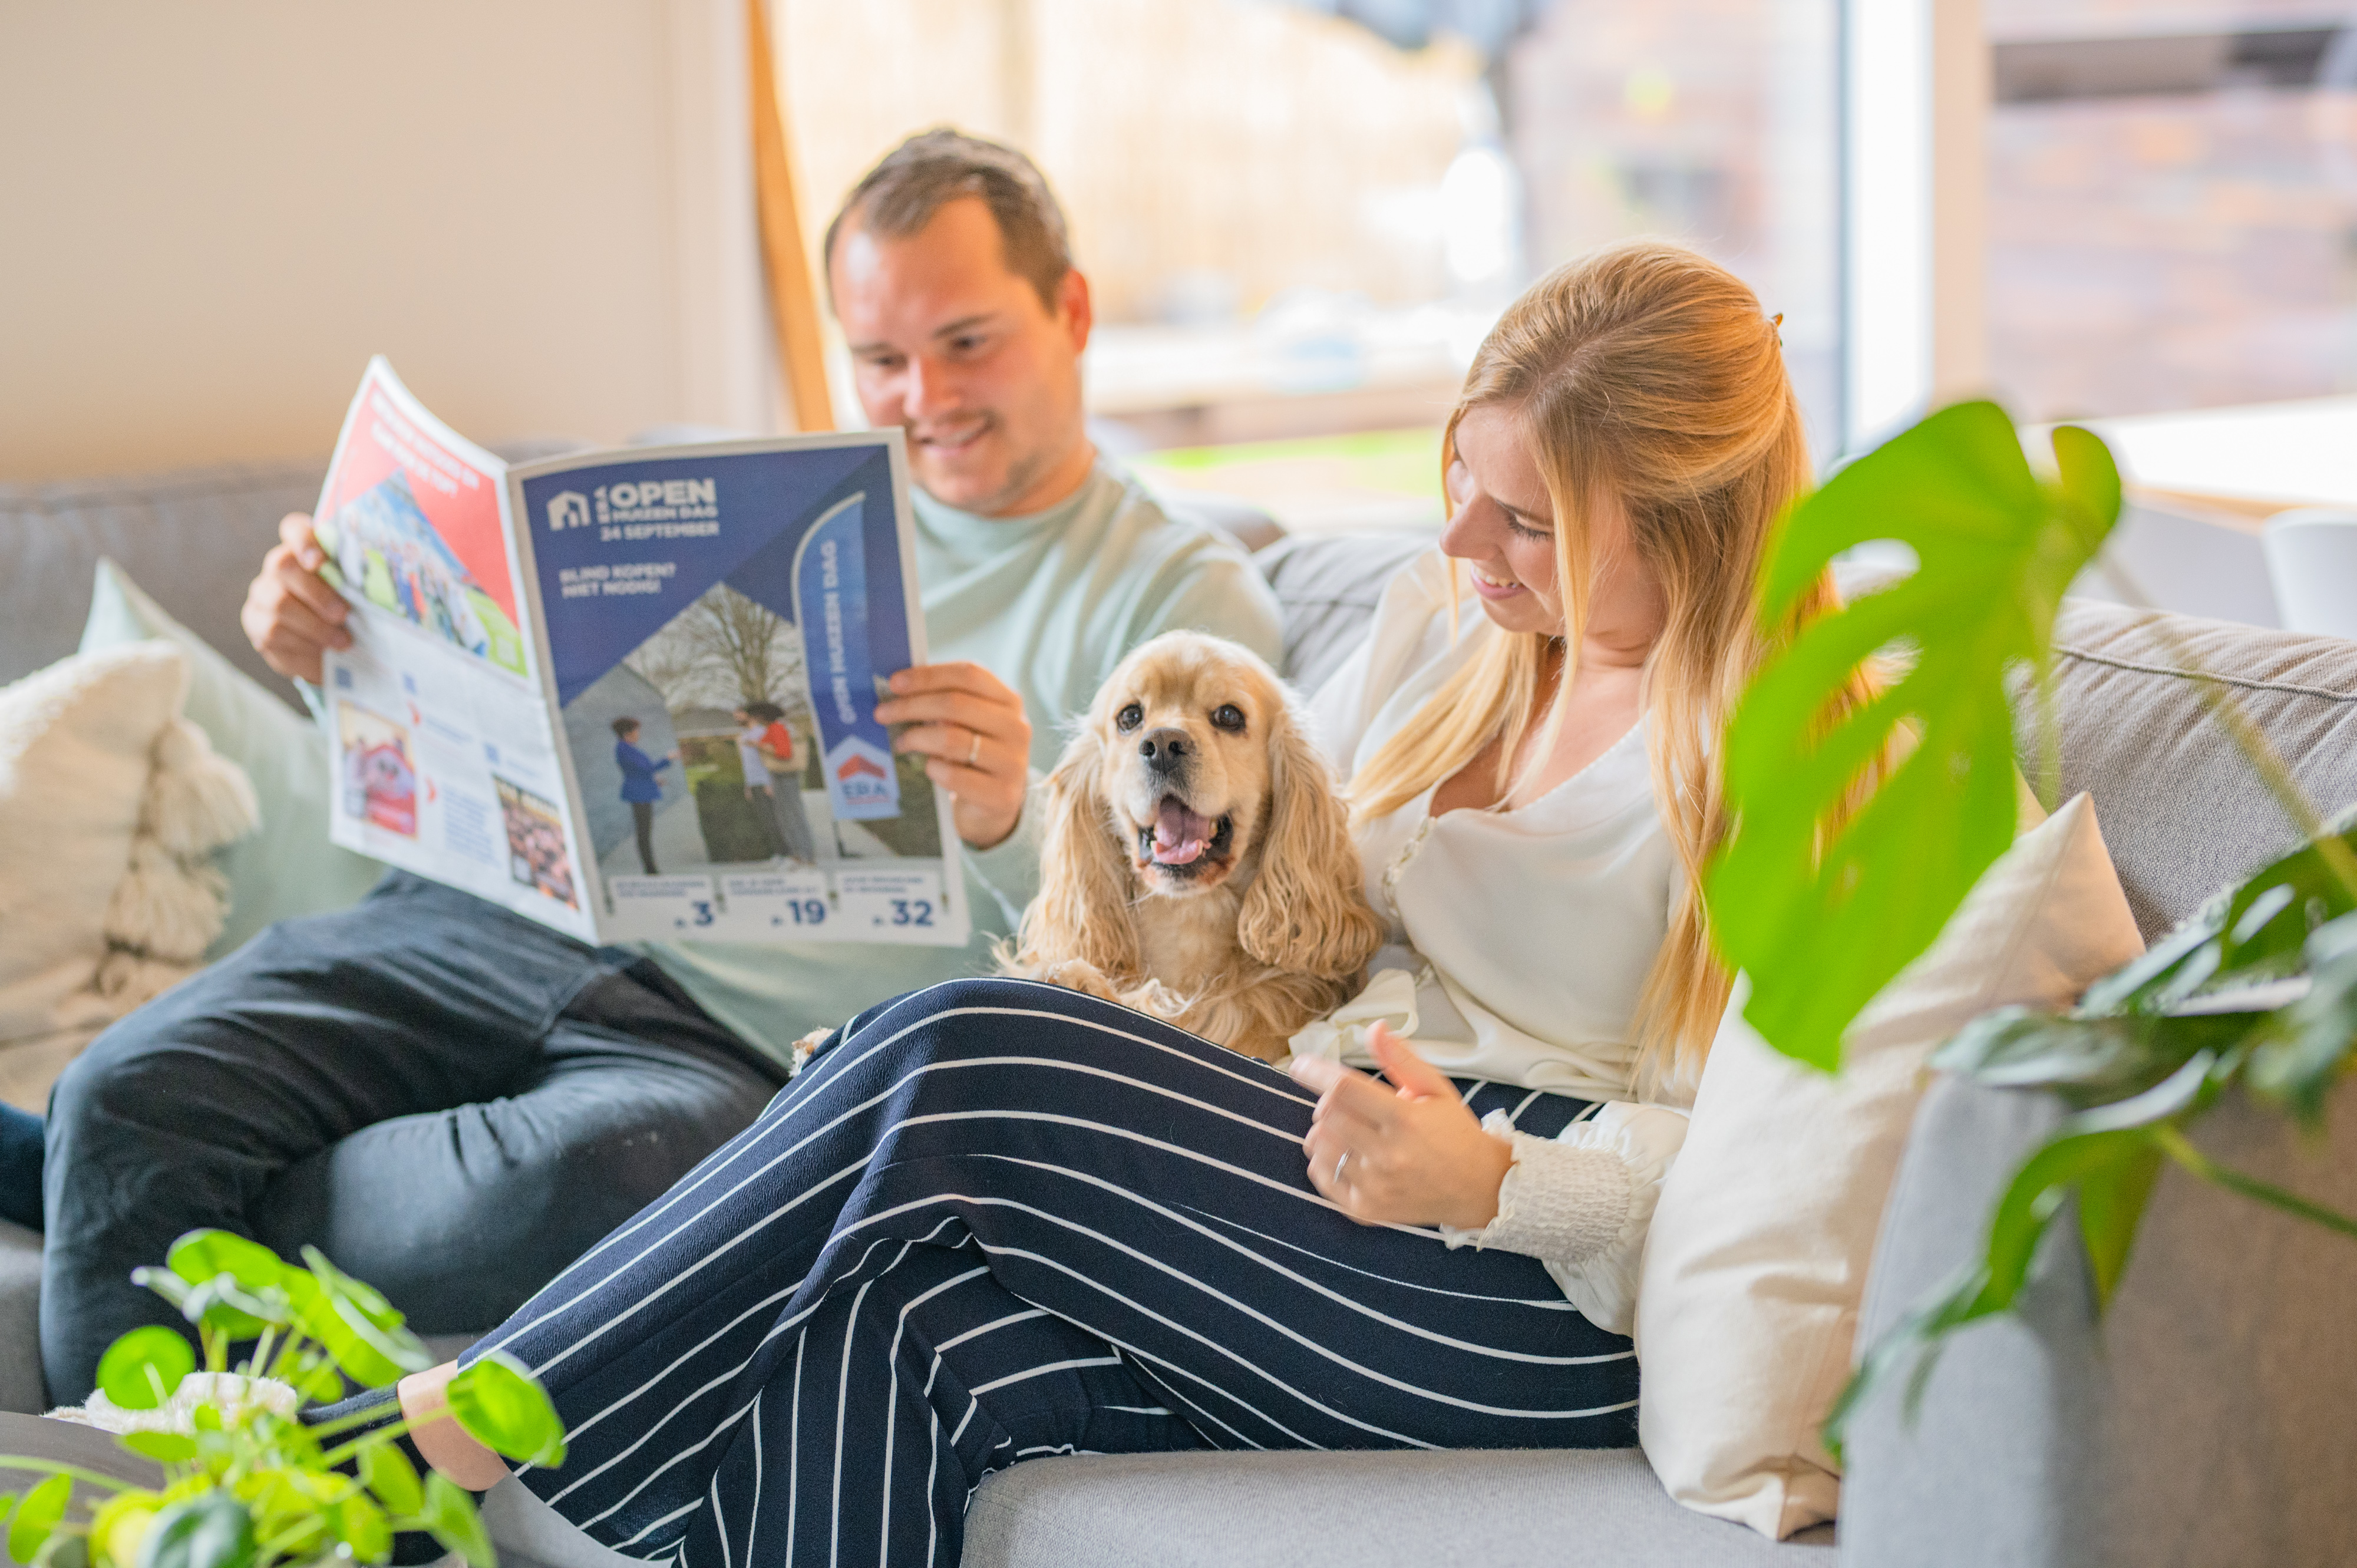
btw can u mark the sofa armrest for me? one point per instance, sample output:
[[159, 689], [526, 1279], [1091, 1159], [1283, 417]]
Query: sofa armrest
[[2206, 1419]]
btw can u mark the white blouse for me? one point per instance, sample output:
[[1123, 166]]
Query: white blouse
[[1518, 941]]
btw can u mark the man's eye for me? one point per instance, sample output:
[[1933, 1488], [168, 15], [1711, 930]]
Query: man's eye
[[1227, 715], [1130, 717]]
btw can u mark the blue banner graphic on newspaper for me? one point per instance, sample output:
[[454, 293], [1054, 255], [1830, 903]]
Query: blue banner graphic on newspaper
[[831, 597]]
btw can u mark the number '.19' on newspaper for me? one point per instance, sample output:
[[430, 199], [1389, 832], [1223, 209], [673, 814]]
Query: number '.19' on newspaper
[[631, 694]]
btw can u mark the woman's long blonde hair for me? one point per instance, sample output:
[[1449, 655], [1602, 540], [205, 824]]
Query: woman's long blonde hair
[[1646, 374]]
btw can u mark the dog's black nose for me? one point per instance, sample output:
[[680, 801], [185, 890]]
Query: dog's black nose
[[1164, 749]]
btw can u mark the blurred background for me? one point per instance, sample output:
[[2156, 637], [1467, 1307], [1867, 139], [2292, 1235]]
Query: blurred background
[[1299, 216]]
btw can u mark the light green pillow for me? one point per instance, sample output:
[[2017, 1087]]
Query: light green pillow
[[287, 867]]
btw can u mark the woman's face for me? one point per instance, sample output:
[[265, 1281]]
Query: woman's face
[[1503, 527]]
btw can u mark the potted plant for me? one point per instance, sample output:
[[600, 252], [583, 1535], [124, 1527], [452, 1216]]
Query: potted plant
[[2257, 993], [247, 1482]]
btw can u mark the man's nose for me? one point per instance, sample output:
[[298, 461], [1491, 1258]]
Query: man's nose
[[1165, 750], [929, 388]]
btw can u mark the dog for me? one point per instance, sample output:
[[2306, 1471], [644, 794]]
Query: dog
[[1197, 862]]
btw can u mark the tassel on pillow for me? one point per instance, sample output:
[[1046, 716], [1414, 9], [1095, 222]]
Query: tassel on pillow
[[172, 901], [197, 800], [165, 907]]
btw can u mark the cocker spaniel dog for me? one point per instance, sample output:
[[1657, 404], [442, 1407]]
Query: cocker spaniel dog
[[1197, 862]]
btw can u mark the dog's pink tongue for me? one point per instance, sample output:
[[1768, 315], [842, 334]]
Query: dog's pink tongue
[[1179, 834]]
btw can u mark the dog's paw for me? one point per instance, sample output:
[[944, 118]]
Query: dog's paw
[[1079, 974], [805, 1048]]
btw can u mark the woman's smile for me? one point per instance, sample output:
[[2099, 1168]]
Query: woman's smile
[[1494, 588]]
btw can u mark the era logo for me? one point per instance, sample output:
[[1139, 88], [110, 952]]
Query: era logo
[[567, 508]]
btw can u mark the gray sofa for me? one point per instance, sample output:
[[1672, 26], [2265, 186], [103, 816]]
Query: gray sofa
[[2207, 1419]]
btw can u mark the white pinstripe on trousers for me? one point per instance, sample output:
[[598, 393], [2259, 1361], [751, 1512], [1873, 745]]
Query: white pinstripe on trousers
[[994, 1221]]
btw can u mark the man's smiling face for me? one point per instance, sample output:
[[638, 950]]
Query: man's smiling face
[[957, 349]]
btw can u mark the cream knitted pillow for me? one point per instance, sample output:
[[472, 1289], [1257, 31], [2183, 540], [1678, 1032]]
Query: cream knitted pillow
[[1753, 1271], [110, 805]]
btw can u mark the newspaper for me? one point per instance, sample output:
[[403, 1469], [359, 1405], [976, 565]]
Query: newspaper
[[631, 694]]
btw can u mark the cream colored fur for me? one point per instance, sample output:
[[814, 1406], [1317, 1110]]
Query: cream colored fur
[[1254, 941]]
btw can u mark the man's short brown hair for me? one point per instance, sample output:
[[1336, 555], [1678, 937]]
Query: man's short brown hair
[[933, 169]]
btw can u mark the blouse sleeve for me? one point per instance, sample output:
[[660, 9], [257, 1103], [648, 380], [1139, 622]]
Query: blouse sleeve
[[1581, 1203]]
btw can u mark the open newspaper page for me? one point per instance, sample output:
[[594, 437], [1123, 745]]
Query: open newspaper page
[[719, 620], [446, 747]]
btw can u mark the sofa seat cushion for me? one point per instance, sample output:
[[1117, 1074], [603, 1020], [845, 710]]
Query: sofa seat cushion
[[21, 1389], [1583, 1509]]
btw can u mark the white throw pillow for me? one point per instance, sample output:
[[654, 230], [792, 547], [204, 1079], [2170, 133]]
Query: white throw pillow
[[1760, 1246], [111, 806]]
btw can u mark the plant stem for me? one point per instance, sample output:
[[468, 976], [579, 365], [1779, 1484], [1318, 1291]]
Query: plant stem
[[2180, 1149], [366, 1440], [346, 1422]]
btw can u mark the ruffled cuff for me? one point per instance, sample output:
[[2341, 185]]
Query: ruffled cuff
[[1582, 1203]]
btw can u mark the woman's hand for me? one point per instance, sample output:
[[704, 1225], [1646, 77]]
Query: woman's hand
[[1406, 1153], [969, 726]]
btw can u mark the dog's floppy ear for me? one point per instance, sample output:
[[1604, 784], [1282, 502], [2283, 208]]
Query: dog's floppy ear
[[1306, 910], [1082, 910]]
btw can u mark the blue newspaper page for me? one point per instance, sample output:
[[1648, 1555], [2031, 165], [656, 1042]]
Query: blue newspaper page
[[445, 745], [718, 621]]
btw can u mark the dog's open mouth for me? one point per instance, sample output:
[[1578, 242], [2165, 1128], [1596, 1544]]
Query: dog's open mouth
[[1185, 841]]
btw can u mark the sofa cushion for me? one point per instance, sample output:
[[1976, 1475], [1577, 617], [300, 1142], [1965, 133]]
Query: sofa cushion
[[197, 536], [1583, 1509], [2202, 1421], [1327, 586], [289, 868], [21, 1388], [2184, 813]]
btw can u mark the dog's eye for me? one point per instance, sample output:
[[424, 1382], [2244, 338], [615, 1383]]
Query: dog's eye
[[1129, 719], [1227, 715]]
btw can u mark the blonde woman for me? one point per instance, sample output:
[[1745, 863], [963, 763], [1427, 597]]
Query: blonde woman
[[995, 1219]]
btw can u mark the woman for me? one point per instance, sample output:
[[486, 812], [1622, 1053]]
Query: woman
[[911, 1271], [773, 748], [641, 789], [758, 787]]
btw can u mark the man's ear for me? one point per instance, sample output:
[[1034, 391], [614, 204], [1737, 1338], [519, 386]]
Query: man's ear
[[1073, 308]]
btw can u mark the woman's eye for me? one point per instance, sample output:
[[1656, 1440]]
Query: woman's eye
[[1130, 717], [1227, 715], [1521, 529]]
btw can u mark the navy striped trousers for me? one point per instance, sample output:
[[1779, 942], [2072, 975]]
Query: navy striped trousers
[[994, 1220]]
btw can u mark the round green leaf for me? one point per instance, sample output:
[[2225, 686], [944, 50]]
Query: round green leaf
[[502, 1404], [360, 1525], [358, 1327], [209, 1531], [164, 1448], [201, 1254], [386, 1471], [451, 1515], [37, 1516], [140, 1371]]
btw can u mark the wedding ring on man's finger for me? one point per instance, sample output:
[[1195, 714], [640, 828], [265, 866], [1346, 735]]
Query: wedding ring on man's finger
[[1338, 1164], [974, 746]]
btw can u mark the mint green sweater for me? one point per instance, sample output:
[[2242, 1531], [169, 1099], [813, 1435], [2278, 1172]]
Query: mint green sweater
[[1049, 603]]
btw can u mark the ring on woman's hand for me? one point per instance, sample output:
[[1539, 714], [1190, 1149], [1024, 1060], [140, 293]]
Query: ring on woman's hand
[[1338, 1164], [974, 748]]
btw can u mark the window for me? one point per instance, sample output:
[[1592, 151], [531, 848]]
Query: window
[[1298, 226], [2172, 216]]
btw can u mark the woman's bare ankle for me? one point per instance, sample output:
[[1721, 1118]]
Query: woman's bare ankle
[[446, 1445]]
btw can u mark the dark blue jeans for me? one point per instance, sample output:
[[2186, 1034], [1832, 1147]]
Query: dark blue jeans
[[450, 1101]]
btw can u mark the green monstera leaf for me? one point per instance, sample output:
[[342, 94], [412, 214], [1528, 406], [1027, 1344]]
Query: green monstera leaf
[[1821, 933]]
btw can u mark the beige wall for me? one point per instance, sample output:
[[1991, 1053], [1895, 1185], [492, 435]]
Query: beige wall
[[215, 214]]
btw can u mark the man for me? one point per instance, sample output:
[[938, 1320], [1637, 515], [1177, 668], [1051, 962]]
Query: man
[[453, 1102]]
